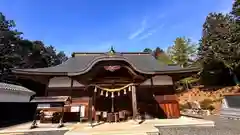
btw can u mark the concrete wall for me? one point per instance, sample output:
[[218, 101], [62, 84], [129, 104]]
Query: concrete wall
[[13, 97], [14, 113]]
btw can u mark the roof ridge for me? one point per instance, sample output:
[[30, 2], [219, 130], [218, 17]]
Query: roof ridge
[[92, 53]]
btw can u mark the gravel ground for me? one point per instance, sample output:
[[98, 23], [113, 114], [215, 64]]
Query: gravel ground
[[222, 127], [61, 132], [197, 131]]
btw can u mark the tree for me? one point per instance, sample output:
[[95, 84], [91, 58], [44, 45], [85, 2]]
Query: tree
[[212, 33], [16, 52], [157, 52], [61, 57], [159, 55], [148, 50], [183, 52], [220, 42], [164, 58], [9, 38], [236, 10]]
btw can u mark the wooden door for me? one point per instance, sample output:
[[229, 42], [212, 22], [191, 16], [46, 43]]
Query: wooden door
[[169, 104], [170, 108]]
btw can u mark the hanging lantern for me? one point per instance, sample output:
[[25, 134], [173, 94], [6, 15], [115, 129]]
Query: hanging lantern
[[119, 93], [106, 94], [95, 89], [125, 91], [112, 95], [101, 93]]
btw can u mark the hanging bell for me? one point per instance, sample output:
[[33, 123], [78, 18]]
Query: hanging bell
[[101, 93], [112, 95], [95, 89], [125, 91], [119, 93], [129, 88], [106, 94]]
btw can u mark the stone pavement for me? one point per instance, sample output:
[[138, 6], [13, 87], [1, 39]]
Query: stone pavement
[[123, 128], [132, 127], [24, 128]]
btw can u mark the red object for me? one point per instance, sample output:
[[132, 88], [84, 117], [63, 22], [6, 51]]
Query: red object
[[112, 68]]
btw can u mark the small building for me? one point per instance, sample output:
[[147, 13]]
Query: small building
[[14, 93], [13, 100], [111, 82]]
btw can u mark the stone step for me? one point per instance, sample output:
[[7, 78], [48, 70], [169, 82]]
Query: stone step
[[138, 131], [109, 133]]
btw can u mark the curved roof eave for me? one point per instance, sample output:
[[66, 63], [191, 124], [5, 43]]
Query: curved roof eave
[[180, 70], [38, 71], [30, 72], [145, 64], [100, 59]]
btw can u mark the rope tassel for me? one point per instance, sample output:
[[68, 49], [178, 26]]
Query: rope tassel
[[106, 94]]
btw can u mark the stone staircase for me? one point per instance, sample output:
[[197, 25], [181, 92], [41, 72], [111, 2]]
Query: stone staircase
[[230, 113]]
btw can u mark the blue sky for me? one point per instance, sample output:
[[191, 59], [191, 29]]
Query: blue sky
[[96, 25]]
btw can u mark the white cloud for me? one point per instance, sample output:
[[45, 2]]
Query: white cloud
[[147, 34], [150, 32], [140, 30]]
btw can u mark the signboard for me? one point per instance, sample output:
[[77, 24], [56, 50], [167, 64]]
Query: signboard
[[112, 68], [40, 106], [75, 109]]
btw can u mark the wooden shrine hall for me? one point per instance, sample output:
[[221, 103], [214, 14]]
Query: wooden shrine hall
[[111, 86]]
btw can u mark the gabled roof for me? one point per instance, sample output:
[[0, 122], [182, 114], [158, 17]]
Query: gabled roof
[[82, 62], [15, 88]]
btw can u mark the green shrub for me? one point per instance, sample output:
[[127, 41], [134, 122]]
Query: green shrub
[[210, 108], [184, 106], [206, 103]]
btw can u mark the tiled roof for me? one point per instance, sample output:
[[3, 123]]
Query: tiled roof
[[81, 63], [17, 88]]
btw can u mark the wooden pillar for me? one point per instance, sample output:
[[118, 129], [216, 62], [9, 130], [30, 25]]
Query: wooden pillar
[[61, 119], [94, 103], [134, 102], [90, 105], [46, 88], [34, 123], [71, 88]]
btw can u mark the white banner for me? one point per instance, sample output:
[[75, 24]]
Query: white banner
[[75, 109]]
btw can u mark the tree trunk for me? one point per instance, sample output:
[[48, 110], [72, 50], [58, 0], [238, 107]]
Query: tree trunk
[[235, 79]]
